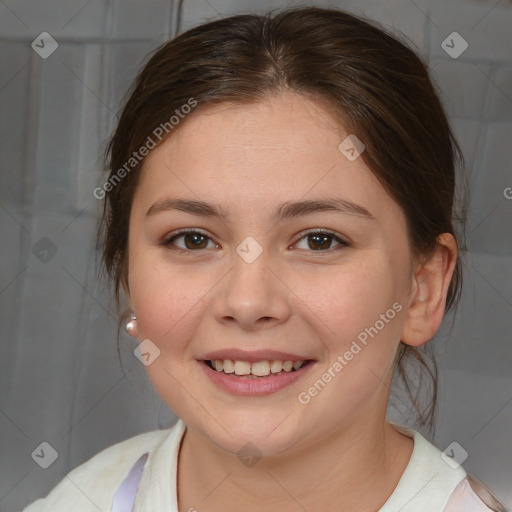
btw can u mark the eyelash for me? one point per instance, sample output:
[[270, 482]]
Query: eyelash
[[168, 242]]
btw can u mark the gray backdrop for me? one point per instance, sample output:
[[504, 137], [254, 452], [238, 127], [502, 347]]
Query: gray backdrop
[[60, 379]]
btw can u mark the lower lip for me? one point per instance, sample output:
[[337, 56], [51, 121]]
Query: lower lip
[[254, 386]]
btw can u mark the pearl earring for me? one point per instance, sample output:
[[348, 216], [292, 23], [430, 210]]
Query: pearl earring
[[131, 325]]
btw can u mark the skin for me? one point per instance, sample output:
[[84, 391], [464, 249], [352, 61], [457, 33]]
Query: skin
[[294, 297]]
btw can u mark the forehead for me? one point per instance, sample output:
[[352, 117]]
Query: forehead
[[286, 145], [284, 123]]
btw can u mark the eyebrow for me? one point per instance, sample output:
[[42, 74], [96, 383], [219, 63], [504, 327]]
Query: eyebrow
[[285, 211]]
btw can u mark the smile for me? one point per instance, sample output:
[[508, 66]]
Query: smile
[[256, 369], [258, 378]]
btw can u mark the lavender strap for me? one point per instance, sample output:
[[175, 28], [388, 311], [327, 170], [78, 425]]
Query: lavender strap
[[124, 498]]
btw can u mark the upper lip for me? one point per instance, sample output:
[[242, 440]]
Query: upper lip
[[253, 356]]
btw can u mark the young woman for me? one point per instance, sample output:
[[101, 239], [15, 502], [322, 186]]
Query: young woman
[[279, 218]]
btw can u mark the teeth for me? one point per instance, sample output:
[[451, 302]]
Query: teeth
[[261, 369], [287, 366], [258, 369], [276, 366], [242, 368], [229, 366]]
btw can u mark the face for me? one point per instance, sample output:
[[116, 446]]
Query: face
[[265, 280]]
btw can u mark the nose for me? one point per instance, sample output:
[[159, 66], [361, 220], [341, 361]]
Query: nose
[[252, 296]]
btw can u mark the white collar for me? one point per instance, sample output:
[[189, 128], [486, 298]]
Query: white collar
[[426, 484]]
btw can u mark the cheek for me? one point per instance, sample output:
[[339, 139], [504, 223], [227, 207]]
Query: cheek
[[168, 302], [363, 315], [349, 303]]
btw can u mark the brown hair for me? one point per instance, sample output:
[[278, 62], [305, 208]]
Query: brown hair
[[378, 86]]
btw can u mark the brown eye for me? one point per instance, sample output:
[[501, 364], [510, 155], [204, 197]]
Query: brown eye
[[192, 240], [321, 241]]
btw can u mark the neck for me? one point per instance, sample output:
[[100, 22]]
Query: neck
[[362, 463]]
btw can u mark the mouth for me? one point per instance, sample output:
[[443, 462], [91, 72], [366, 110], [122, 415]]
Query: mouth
[[257, 369], [257, 377]]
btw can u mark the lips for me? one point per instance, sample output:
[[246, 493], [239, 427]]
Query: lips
[[251, 373]]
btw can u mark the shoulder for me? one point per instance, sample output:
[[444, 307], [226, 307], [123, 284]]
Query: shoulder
[[435, 481], [91, 486], [471, 496]]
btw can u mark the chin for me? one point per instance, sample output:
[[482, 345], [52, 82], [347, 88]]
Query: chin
[[250, 437]]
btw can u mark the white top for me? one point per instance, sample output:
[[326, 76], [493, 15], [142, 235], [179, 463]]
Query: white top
[[428, 482]]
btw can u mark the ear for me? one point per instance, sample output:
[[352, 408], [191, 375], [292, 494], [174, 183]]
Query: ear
[[428, 293]]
